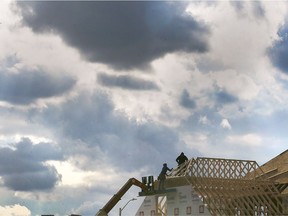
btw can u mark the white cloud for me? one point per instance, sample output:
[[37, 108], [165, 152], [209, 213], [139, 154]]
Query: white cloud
[[225, 124], [235, 64], [18, 137], [238, 48], [238, 41], [246, 139], [14, 210], [75, 177], [162, 105], [199, 141], [71, 175], [238, 84], [204, 120]]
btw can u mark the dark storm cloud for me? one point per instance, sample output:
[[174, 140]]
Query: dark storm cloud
[[126, 82], [23, 168], [42, 180], [27, 86], [123, 34], [91, 120], [278, 53], [186, 101]]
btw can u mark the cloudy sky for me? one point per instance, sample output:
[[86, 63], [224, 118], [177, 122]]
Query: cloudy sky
[[94, 93]]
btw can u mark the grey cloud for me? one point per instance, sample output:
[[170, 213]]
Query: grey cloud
[[10, 61], [186, 101], [88, 208], [238, 5], [27, 86], [212, 131], [23, 168], [282, 82], [278, 53], [258, 9], [223, 97], [273, 125], [126, 82], [124, 35], [107, 135], [206, 65], [193, 123], [42, 180]]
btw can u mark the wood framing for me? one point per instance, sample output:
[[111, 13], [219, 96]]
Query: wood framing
[[233, 187], [161, 202]]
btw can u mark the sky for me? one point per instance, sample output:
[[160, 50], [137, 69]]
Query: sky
[[94, 93]]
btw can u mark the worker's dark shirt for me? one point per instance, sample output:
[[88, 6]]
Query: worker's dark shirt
[[164, 170], [181, 159]]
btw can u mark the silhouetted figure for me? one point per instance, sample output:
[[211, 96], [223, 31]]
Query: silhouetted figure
[[162, 176], [181, 159]]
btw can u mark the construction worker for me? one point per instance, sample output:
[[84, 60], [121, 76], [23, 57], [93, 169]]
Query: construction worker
[[181, 159], [162, 176]]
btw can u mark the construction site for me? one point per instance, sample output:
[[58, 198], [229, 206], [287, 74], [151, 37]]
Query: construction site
[[214, 186]]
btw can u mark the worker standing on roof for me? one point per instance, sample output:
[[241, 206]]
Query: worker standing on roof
[[181, 159], [162, 176]]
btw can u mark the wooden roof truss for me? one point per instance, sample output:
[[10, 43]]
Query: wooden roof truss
[[233, 187]]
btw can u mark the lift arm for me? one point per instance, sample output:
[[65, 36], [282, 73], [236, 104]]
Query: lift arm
[[115, 199]]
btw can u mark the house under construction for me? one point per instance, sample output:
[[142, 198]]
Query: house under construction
[[215, 186]]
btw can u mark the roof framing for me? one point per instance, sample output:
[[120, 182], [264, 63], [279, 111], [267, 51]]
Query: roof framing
[[231, 187]]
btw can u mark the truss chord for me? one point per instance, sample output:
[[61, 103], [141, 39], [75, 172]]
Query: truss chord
[[232, 187]]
